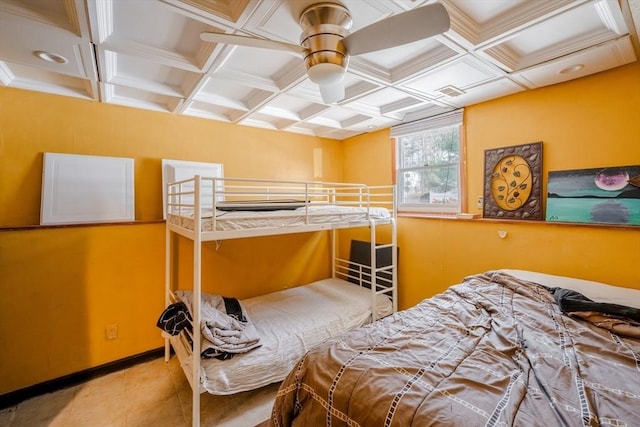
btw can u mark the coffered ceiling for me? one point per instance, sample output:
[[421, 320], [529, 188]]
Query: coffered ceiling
[[148, 54]]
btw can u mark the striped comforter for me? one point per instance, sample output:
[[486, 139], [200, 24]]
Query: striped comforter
[[491, 351]]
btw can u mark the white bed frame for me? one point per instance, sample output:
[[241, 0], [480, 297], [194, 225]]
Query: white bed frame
[[188, 201]]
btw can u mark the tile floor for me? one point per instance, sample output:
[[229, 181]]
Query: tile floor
[[154, 394]]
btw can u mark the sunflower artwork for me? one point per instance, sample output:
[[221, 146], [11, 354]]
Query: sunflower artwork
[[512, 182]]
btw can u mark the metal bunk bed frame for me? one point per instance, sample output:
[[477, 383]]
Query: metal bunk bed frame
[[189, 195]]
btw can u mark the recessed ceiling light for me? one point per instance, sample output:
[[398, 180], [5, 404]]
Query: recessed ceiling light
[[572, 69], [51, 57]]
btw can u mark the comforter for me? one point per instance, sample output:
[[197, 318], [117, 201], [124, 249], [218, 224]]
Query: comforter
[[491, 351]]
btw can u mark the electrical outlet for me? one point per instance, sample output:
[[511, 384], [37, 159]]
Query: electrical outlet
[[111, 331], [480, 202]]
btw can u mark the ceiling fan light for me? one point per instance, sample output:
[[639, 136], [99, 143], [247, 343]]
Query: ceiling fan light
[[332, 93], [326, 73]]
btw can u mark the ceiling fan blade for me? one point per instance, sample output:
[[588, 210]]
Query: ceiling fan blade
[[251, 42], [406, 27], [332, 92]]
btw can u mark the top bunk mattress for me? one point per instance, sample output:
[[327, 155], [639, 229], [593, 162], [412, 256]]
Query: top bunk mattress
[[289, 323], [251, 220]]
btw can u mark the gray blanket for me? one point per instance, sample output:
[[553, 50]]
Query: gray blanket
[[226, 329]]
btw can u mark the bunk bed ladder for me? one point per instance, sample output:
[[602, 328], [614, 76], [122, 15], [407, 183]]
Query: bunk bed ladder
[[383, 287], [381, 279], [394, 262], [374, 271]]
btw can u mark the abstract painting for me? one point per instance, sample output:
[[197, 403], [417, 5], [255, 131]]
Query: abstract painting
[[513, 183], [607, 195]]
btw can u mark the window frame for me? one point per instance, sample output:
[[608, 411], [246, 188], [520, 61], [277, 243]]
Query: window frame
[[448, 119]]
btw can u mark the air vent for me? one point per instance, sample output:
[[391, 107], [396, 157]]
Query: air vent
[[451, 91]]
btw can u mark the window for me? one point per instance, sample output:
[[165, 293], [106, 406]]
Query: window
[[429, 169]]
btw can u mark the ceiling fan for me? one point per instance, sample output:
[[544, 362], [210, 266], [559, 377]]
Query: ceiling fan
[[326, 43]]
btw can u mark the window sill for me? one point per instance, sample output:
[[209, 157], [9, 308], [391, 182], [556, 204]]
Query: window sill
[[434, 215], [479, 219]]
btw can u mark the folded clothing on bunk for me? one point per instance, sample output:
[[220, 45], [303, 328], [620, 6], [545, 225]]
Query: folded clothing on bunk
[[225, 327]]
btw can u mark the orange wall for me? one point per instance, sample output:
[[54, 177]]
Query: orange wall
[[61, 286], [33, 123], [587, 123]]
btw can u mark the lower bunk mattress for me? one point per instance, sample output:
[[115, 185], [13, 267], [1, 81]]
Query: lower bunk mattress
[[289, 323]]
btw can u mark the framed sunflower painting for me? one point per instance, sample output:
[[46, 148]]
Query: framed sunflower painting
[[512, 182]]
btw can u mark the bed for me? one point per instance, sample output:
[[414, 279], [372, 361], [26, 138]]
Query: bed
[[225, 208], [505, 347], [288, 322]]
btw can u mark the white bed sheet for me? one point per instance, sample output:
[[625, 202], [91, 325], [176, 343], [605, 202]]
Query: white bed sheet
[[289, 323], [596, 291], [243, 220]]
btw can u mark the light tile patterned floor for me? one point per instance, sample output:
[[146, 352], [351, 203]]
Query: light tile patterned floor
[[154, 394]]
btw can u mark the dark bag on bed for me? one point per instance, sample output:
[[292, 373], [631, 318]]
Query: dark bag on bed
[[571, 301], [174, 318]]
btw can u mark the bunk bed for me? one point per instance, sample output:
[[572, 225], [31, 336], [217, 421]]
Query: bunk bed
[[288, 322], [505, 347]]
